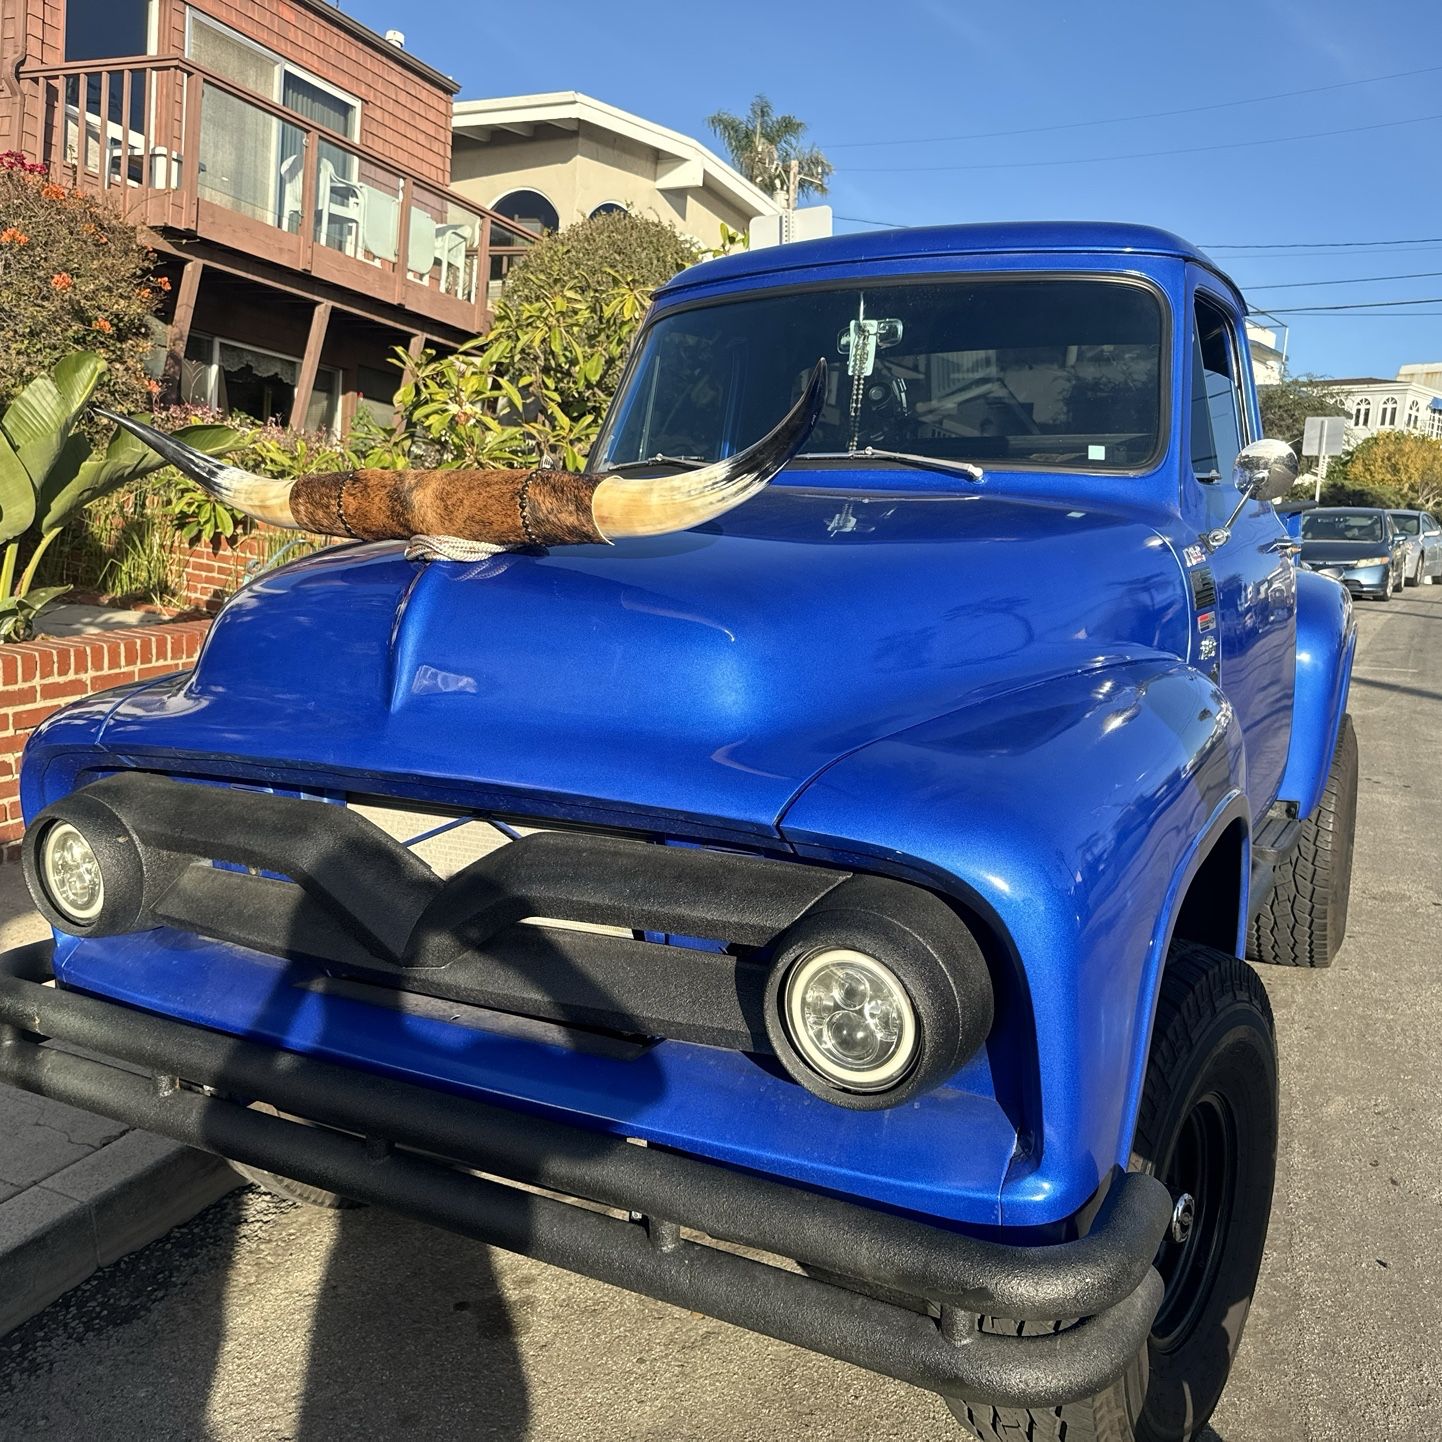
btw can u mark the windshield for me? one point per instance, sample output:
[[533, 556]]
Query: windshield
[[1341, 526], [1045, 372], [1406, 522]]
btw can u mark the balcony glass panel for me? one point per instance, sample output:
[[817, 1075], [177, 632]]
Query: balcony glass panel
[[242, 164], [443, 244], [508, 245], [357, 205]]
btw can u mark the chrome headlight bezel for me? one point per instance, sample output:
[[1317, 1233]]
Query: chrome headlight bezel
[[63, 846], [809, 971]]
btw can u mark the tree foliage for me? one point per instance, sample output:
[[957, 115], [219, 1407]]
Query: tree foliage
[[762, 146], [1391, 468], [1287, 404], [73, 276]]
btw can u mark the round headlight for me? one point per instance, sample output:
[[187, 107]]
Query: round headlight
[[70, 871], [850, 1019]]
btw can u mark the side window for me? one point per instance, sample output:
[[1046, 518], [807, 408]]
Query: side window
[[1216, 400]]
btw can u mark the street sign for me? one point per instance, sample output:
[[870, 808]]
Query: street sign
[[1324, 436]]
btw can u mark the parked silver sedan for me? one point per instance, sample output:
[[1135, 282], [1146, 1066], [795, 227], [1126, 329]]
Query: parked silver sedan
[[1423, 534]]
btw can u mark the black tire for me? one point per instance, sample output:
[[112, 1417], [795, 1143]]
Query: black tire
[[1304, 920], [1208, 1126]]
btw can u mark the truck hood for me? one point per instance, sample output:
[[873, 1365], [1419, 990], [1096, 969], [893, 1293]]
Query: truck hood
[[706, 675]]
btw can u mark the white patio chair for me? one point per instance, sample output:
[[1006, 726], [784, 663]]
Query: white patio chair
[[341, 201]]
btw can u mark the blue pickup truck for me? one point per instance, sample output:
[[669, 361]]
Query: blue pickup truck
[[823, 839]]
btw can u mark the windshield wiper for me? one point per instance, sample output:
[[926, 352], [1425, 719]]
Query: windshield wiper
[[873, 453], [689, 463]]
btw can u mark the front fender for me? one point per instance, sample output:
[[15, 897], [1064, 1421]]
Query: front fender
[[1326, 644], [1065, 818]]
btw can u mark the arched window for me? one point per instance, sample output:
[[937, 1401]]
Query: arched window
[[1414, 414], [529, 209], [1389, 412], [1435, 425], [607, 207], [1362, 411]]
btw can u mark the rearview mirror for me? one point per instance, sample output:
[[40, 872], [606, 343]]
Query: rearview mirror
[[1265, 470]]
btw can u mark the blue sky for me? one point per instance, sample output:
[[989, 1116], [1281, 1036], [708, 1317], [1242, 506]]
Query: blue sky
[[902, 70]]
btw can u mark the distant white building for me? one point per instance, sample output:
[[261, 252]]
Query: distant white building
[[1411, 402], [1268, 363]]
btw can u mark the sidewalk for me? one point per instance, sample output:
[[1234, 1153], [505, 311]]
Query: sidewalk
[[77, 1191]]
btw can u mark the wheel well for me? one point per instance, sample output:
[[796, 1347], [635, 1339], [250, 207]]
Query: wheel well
[[1210, 913]]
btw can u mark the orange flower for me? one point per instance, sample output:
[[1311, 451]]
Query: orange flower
[[162, 282], [13, 236], [63, 280], [51, 191], [144, 293], [153, 386], [103, 325]]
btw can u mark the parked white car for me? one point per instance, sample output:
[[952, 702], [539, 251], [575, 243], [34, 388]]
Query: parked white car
[[1423, 534]]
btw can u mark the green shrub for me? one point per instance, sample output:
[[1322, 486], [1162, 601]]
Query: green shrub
[[593, 256], [73, 276], [530, 392]]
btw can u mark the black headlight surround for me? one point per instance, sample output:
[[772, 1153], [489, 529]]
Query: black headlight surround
[[129, 882], [931, 953]]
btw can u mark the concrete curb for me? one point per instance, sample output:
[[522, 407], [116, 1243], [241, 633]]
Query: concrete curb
[[55, 1234]]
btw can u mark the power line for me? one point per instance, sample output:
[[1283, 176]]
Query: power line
[[1320, 254], [1350, 280], [1358, 305], [1138, 154], [882, 224], [1326, 244], [1128, 119]]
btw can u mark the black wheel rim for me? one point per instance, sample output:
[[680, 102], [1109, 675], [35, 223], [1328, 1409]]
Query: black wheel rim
[[1203, 1163]]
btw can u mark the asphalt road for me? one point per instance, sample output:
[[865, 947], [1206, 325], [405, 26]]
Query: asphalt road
[[262, 1322]]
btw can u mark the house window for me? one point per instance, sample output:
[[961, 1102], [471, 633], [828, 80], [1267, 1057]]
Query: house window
[[1414, 414], [1388, 416], [230, 54], [234, 378], [1434, 428], [530, 210], [106, 29], [251, 161], [607, 207], [1362, 411]]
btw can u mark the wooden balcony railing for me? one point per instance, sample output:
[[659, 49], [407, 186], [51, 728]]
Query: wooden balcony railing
[[177, 147]]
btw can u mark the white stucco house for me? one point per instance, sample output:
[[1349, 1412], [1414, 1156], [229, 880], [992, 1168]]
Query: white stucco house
[[545, 161], [1412, 401]]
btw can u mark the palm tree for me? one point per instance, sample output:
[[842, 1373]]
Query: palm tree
[[768, 150]]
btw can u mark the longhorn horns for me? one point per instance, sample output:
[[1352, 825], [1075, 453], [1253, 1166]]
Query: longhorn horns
[[497, 507]]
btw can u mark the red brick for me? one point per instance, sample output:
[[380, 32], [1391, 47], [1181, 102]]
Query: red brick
[[64, 690], [29, 719], [13, 697]]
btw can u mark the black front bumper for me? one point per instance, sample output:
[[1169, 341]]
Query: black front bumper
[[413, 1150]]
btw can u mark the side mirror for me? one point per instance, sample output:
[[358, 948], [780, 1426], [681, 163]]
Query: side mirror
[[1265, 470]]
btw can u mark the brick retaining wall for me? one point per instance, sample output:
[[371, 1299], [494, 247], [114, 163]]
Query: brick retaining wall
[[43, 675]]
